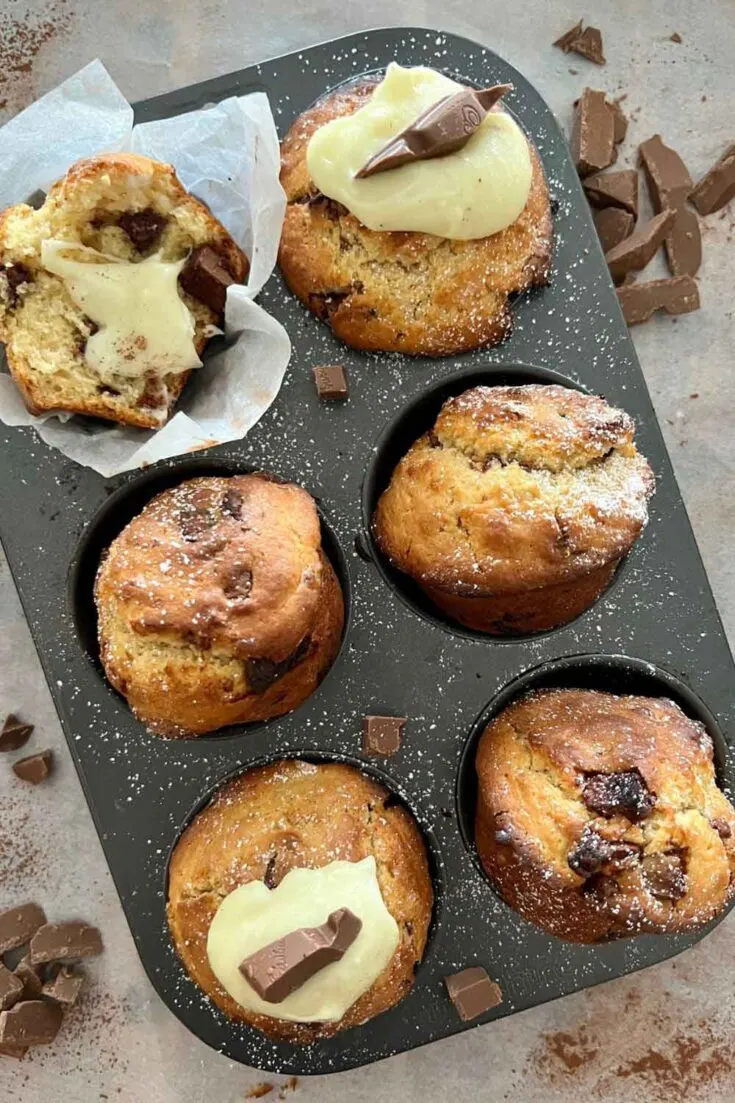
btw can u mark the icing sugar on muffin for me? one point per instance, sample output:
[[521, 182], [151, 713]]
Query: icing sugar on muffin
[[420, 259], [600, 816], [515, 509], [279, 849]]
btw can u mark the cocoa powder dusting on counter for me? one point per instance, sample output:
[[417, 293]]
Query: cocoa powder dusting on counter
[[22, 37]]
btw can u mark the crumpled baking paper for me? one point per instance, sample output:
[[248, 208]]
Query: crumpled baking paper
[[227, 155]]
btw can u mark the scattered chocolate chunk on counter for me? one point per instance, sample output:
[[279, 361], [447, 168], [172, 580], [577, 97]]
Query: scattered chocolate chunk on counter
[[613, 226], [142, 227], [639, 301], [205, 278], [717, 187], [31, 1023], [13, 1051], [35, 768], [11, 988], [14, 734], [676, 37], [64, 985], [382, 734], [64, 942], [624, 793], [28, 976], [331, 382], [472, 992], [620, 121], [664, 876], [593, 133], [18, 926], [614, 189], [637, 250], [669, 185], [585, 41]]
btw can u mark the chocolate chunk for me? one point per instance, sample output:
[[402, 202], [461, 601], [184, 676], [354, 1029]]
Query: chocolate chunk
[[11, 988], [592, 852], [64, 985], [637, 250], [566, 41], [284, 965], [640, 301], [13, 1051], [205, 277], [614, 189], [717, 187], [664, 875], [64, 942], [683, 243], [676, 37], [722, 827], [620, 121], [237, 581], [29, 978], [142, 227], [613, 226], [30, 1023], [15, 276], [593, 133], [262, 673], [18, 926], [331, 381], [669, 184], [443, 128], [382, 734], [35, 768], [586, 42], [232, 503], [472, 992], [14, 734], [195, 519], [619, 794]]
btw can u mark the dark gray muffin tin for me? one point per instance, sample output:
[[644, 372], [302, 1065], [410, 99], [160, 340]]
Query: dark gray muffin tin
[[656, 631]]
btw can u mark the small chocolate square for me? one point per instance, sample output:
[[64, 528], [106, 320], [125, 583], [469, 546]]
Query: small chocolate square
[[35, 768], [331, 382], [472, 992], [14, 734], [382, 734]]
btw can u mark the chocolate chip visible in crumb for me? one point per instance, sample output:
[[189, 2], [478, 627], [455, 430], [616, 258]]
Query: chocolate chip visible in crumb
[[142, 227], [331, 381], [592, 852], [35, 768], [262, 673], [665, 876], [15, 276], [14, 734], [619, 794], [722, 827], [232, 503], [18, 925], [205, 277], [237, 581]]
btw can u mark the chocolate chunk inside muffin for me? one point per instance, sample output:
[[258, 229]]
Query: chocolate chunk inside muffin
[[513, 511], [599, 816], [217, 605]]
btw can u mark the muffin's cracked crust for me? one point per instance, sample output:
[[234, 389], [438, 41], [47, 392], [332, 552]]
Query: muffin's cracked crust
[[514, 510], [599, 816], [289, 814], [218, 606], [402, 292]]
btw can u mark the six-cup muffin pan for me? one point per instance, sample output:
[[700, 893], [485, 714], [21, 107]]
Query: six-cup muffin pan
[[655, 631]]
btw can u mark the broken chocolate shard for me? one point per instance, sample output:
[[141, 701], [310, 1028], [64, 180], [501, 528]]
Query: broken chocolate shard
[[613, 226], [30, 1023], [623, 793], [620, 121], [142, 227], [640, 301], [382, 734], [64, 986], [13, 1051], [205, 278], [585, 41], [331, 382], [614, 189], [565, 41], [669, 184], [443, 128], [280, 968], [11, 988], [35, 768], [29, 978], [636, 251], [593, 133], [14, 734], [64, 942], [717, 187], [472, 992], [664, 876], [18, 926]]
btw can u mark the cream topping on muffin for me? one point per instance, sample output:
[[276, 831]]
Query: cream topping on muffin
[[471, 193], [253, 916]]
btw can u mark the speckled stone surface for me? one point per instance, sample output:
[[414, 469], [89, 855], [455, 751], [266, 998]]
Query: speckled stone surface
[[662, 1035]]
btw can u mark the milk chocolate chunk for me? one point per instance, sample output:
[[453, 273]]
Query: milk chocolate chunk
[[585, 41], [639, 301], [205, 278], [11, 988], [614, 189], [13, 1051], [669, 184], [593, 851], [624, 793], [472, 992], [35, 768], [14, 734], [142, 227], [29, 978], [566, 41], [593, 133], [382, 734], [620, 121], [64, 942], [64, 986], [443, 128], [30, 1023], [717, 187], [331, 382], [18, 926], [637, 250], [284, 965], [664, 876], [613, 226]]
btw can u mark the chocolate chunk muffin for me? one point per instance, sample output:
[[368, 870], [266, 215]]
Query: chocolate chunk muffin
[[293, 815], [599, 816], [513, 512], [403, 291], [217, 605]]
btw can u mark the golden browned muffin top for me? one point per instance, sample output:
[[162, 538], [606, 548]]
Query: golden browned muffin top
[[515, 488]]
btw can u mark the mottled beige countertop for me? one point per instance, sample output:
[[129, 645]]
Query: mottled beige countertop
[[662, 1036]]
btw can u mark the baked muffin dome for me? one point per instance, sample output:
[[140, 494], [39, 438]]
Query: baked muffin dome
[[402, 291], [514, 510], [599, 816], [217, 605], [288, 815]]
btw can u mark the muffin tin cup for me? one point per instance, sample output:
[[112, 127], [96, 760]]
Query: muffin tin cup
[[397, 657]]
